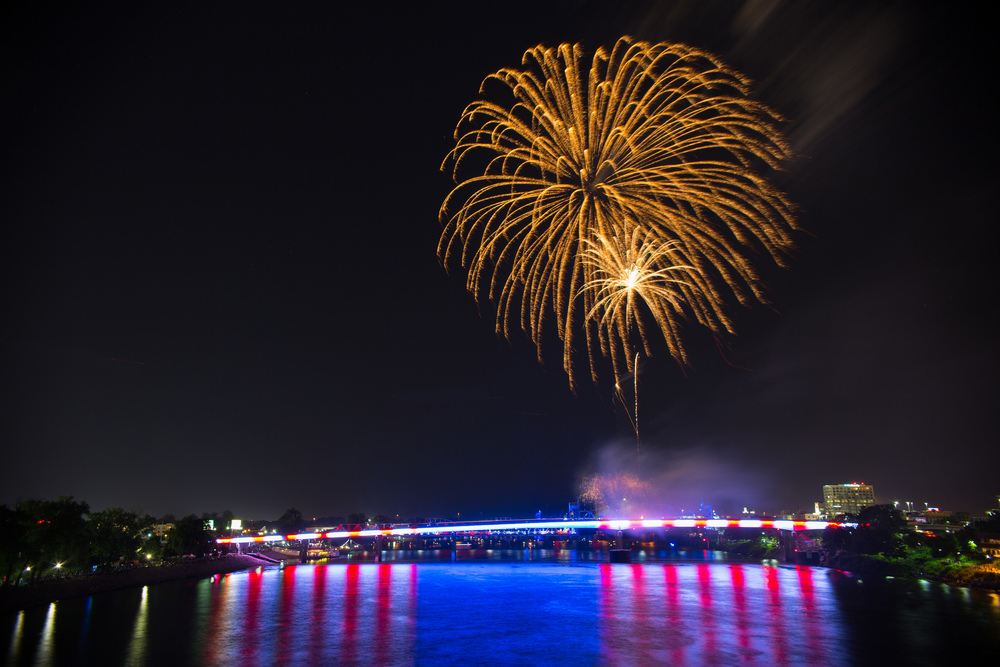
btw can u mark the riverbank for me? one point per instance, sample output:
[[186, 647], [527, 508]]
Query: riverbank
[[940, 570], [14, 598]]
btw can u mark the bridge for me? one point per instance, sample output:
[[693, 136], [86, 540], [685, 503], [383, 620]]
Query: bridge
[[538, 524]]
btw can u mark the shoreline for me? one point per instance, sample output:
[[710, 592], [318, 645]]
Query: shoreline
[[16, 598]]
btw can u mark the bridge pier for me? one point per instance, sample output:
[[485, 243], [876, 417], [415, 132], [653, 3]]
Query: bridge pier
[[788, 542], [378, 548], [621, 554]]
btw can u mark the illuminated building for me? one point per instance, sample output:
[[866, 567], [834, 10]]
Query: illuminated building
[[847, 498], [989, 543], [160, 529]]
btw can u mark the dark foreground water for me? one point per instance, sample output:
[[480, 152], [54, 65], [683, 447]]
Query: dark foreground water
[[572, 611]]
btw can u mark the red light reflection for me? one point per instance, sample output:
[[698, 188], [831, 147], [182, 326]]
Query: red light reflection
[[251, 615], [317, 620], [779, 632], [383, 628], [349, 649], [287, 610], [740, 602]]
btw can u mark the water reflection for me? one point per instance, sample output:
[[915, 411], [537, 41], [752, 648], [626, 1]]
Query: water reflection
[[137, 645], [45, 655], [15, 640], [707, 614], [564, 610]]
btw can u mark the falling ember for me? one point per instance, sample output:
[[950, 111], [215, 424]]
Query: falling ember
[[658, 144]]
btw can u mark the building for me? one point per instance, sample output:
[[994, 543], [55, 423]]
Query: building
[[989, 543], [847, 498], [160, 529]]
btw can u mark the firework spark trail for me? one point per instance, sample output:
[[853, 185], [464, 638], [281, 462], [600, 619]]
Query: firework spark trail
[[654, 143]]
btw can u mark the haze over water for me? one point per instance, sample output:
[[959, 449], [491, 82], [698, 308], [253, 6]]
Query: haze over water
[[502, 608]]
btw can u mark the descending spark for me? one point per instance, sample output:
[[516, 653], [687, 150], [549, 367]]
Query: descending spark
[[658, 142], [726, 359]]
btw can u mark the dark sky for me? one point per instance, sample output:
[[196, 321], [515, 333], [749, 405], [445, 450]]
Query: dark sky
[[221, 290]]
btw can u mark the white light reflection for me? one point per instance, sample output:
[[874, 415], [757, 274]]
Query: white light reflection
[[15, 639], [136, 654], [46, 643]]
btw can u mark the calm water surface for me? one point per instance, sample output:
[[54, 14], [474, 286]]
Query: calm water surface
[[511, 608]]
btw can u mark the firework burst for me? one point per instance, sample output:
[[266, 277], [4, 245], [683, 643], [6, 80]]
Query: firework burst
[[633, 277], [655, 143]]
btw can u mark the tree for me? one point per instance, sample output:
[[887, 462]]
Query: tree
[[291, 521], [117, 534], [879, 531], [188, 536], [358, 518], [12, 531], [55, 534]]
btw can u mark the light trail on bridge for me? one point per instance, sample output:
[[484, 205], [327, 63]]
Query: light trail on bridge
[[562, 524]]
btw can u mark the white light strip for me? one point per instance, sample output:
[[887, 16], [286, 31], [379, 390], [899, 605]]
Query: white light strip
[[618, 524]]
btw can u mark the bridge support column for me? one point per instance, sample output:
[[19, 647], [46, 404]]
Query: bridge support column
[[378, 548], [304, 551], [621, 554], [788, 542]]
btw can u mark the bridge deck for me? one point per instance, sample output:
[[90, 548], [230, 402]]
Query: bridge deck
[[541, 524]]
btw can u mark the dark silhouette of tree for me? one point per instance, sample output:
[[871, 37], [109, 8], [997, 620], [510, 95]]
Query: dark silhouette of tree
[[879, 531], [188, 537], [117, 534], [291, 521], [12, 531], [55, 535]]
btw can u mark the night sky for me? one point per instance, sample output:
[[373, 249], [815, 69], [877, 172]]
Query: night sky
[[221, 289]]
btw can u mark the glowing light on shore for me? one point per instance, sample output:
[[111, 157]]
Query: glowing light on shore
[[657, 142]]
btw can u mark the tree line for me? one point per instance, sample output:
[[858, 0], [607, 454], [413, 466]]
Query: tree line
[[879, 541], [42, 538]]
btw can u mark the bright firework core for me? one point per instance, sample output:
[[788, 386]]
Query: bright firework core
[[631, 277]]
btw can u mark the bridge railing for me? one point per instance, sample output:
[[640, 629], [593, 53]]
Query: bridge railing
[[543, 524]]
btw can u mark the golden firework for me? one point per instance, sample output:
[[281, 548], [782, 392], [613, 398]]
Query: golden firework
[[631, 277], [655, 142], [612, 492]]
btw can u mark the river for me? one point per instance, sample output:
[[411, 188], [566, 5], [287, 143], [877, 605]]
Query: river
[[554, 608]]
